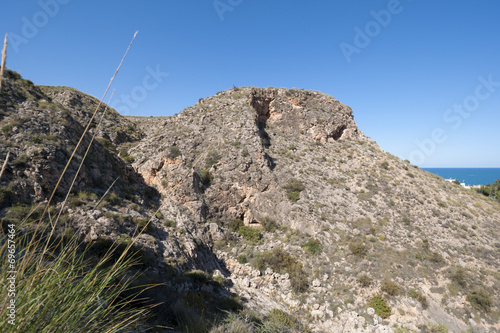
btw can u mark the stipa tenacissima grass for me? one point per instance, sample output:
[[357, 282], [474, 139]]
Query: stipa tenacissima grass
[[58, 286]]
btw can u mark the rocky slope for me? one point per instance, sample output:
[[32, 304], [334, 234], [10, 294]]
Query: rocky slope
[[271, 197]]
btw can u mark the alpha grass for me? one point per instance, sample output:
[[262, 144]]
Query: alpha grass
[[58, 286], [59, 289]]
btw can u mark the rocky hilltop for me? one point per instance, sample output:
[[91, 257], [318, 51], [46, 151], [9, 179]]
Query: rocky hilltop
[[265, 203]]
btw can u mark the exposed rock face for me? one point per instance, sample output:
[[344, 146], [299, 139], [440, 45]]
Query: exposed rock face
[[290, 164]]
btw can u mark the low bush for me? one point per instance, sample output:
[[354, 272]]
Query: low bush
[[293, 196], [419, 297], [283, 262], [277, 321], [312, 245], [379, 304], [235, 224], [173, 152], [480, 299], [358, 248], [269, 224], [390, 288], [6, 196], [458, 276], [293, 188], [250, 234], [364, 280], [211, 159], [143, 223], [206, 177]]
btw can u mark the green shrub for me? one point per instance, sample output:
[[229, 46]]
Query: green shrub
[[282, 262], [211, 159], [242, 259], [293, 189], [169, 223], [364, 280], [419, 297], [294, 185], [143, 222], [235, 224], [278, 321], [293, 196], [269, 224], [129, 159], [459, 276], [358, 248], [36, 139], [105, 143], [437, 258], [312, 245], [480, 299], [20, 212], [112, 199], [6, 196], [173, 152], [206, 177], [7, 128], [438, 329], [250, 234], [384, 165], [382, 309], [390, 288]]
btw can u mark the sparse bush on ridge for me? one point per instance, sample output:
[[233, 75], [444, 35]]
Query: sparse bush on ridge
[[458, 275]]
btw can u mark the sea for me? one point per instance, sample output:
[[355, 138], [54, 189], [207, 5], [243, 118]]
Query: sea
[[469, 176]]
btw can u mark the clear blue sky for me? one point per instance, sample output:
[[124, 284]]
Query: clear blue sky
[[415, 72]]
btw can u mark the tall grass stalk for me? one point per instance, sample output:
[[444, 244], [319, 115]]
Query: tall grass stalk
[[4, 164], [58, 288], [86, 129], [4, 56], [79, 143]]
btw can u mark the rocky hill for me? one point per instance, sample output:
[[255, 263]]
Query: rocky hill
[[267, 203]]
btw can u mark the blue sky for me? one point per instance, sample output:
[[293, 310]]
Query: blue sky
[[422, 76]]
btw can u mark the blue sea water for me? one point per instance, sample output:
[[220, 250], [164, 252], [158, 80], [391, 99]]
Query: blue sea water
[[469, 176]]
